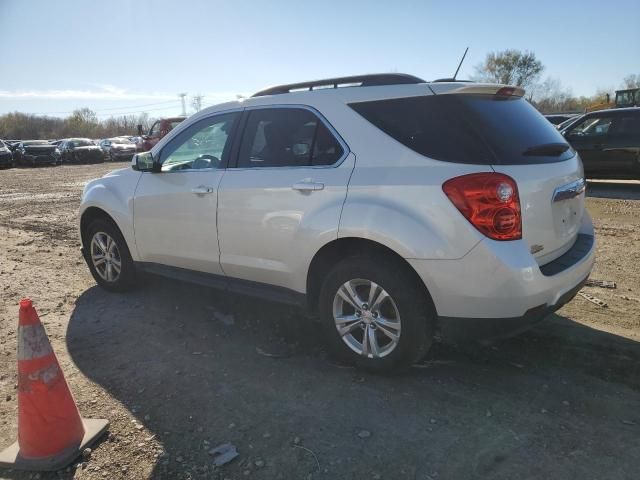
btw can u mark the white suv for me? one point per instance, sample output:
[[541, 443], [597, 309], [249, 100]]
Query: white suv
[[387, 205]]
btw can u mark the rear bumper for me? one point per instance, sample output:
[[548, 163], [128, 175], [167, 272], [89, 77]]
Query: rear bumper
[[498, 289], [459, 329]]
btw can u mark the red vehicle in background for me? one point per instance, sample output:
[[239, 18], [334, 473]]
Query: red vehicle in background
[[158, 130]]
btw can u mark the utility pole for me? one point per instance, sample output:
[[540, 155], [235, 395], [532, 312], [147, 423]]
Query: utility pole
[[196, 102], [184, 107]]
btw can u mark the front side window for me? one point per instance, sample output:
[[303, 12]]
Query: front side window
[[285, 137], [202, 146], [592, 127]]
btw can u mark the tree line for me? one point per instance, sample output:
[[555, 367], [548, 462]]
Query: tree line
[[82, 123], [524, 69]]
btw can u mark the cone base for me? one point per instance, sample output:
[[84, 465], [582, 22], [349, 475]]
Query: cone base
[[10, 457]]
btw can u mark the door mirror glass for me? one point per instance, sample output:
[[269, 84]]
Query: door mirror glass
[[143, 162]]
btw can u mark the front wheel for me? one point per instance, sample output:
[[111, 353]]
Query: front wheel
[[375, 313], [108, 256]]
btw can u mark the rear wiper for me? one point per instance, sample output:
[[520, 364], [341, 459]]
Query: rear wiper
[[547, 149]]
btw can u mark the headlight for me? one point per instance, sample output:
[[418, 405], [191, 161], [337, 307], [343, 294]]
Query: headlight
[[57, 150]]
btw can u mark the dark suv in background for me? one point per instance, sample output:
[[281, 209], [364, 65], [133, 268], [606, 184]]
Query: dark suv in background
[[608, 142]]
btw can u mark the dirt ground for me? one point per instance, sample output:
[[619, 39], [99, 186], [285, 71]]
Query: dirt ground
[[177, 370]]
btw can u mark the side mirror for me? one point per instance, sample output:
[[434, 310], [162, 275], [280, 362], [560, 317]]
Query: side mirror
[[143, 162]]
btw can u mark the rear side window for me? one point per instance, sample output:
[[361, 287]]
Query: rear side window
[[476, 129], [627, 128], [281, 137]]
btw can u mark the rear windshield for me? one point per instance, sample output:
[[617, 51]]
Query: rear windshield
[[477, 129]]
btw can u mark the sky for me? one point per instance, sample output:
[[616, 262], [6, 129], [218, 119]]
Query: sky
[[132, 56]]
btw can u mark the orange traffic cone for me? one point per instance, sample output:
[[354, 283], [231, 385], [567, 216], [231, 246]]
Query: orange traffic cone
[[51, 433]]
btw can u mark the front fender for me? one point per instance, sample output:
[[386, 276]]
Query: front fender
[[114, 194]]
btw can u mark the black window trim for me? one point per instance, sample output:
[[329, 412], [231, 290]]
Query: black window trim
[[189, 129], [235, 151]]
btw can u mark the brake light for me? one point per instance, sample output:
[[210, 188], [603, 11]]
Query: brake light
[[506, 91], [489, 201]]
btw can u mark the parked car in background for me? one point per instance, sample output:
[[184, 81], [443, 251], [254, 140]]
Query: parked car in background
[[157, 131], [35, 152], [118, 149], [464, 211], [608, 142], [6, 155], [80, 150], [557, 118]]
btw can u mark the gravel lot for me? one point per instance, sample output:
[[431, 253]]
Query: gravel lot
[[177, 370]]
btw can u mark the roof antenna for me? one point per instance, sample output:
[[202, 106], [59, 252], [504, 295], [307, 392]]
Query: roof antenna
[[460, 64]]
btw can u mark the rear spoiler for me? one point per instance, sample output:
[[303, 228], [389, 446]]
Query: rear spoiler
[[476, 88]]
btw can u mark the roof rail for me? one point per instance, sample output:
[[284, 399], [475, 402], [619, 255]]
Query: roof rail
[[371, 80]]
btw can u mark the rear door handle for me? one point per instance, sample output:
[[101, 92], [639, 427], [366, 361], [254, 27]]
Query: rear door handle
[[202, 190], [307, 186]]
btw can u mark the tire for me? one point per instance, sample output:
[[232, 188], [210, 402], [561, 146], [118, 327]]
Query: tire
[[406, 300], [125, 278]]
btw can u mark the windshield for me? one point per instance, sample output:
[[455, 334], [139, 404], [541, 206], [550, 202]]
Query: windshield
[[121, 140], [36, 142], [476, 129]]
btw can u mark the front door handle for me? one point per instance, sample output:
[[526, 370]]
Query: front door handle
[[307, 186], [202, 190]]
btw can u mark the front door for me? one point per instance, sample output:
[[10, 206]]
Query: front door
[[175, 209], [282, 200], [589, 137]]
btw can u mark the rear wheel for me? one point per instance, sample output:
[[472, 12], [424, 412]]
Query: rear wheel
[[108, 256], [375, 315]]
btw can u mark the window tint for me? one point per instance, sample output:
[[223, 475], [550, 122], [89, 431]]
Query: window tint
[[627, 128], [477, 129], [278, 137], [592, 127], [203, 145]]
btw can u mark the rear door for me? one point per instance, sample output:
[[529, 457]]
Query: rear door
[[282, 200], [620, 154]]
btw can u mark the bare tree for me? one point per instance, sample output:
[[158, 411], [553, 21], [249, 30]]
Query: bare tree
[[631, 81], [510, 67]]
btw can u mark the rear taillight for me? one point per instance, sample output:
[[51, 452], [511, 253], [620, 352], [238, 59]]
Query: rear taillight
[[489, 201]]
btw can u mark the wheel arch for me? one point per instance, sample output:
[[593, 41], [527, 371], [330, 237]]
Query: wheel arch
[[88, 216], [341, 248]]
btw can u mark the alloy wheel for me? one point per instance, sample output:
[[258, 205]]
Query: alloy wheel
[[367, 318], [105, 257]]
